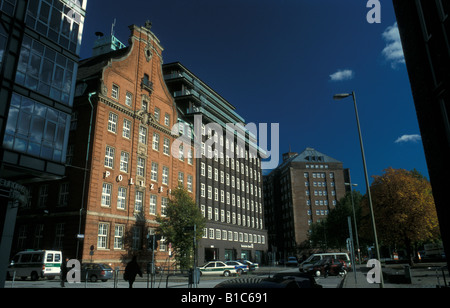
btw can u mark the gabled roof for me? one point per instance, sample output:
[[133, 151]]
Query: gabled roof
[[313, 156], [309, 155]]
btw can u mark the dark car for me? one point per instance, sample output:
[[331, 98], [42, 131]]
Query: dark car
[[96, 271], [328, 266]]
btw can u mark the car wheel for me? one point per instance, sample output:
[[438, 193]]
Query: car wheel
[[226, 273], [93, 278], [34, 276]]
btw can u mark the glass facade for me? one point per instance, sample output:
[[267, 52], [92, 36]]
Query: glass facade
[[60, 21], [45, 71], [36, 129]]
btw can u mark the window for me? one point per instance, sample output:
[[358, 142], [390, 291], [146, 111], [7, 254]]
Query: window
[[167, 119], [59, 237], [190, 157], [157, 114], [42, 69], [63, 194], [102, 239], [181, 178], [202, 190], [209, 192], [128, 99], [165, 175], [156, 141], [164, 204], [153, 200], [181, 152], [154, 175], [136, 238], [43, 196], [190, 179], [124, 158], [139, 201], [36, 129], [143, 134], [126, 131], [121, 198], [106, 195], [141, 167], [202, 169], [109, 157], [115, 92], [58, 22], [118, 236], [166, 146]]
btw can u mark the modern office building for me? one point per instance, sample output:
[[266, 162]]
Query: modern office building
[[229, 179], [121, 169], [39, 48], [300, 191], [424, 27]]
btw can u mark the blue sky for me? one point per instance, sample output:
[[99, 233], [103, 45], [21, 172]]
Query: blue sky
[[281, 61]]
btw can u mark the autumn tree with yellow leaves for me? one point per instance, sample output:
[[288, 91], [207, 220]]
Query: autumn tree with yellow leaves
[[404, 209]]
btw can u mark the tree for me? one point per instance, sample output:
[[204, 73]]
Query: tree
[[403, 207], [177, 227], [333, 232]]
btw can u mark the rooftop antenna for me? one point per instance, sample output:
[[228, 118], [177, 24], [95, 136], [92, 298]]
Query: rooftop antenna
[[112, 27]]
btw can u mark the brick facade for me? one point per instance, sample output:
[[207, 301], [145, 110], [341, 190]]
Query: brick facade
[[130, 168]]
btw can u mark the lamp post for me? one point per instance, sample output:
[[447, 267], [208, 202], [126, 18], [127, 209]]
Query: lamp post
[[339, 97], [354, 219]]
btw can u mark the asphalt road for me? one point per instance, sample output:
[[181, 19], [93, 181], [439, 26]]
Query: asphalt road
[[160, 282]]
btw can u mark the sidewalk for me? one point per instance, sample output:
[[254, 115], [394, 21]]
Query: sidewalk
[[423, 276]]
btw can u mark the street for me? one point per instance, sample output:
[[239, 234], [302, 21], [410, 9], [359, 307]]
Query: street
[[162, 282]]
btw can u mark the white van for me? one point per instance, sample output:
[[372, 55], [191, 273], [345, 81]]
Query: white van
[[305, 265], [35, 264]]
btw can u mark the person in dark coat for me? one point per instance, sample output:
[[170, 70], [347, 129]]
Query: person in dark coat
[[131, 270], [64, 271]]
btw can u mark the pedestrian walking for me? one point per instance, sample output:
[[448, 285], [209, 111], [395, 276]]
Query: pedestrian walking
[[131, 270], [63, 275]]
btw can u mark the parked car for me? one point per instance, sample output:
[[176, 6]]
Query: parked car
[[35, 264], [328, 266], [96, 271], [309, 262], [217, 268], [292, 261], [251, 265], [240, 267]]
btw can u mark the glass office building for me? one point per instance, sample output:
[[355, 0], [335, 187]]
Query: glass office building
[[39, 50]]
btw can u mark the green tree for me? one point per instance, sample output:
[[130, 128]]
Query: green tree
[[333, 231], [182, 214]]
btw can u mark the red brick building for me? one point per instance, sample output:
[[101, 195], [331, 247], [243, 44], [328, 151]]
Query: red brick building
[[121, 167]]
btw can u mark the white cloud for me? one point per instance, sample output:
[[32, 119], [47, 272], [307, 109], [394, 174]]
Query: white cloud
[[393, 52], [408, 138], [341, 75]]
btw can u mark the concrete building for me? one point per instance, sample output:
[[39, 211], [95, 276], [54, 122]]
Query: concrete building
[[229, 179], [425, 33], [120, 163], [39, 48], [300, 191]]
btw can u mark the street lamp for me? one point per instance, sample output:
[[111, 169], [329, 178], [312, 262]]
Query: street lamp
[[354, 219], [377, 249]]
